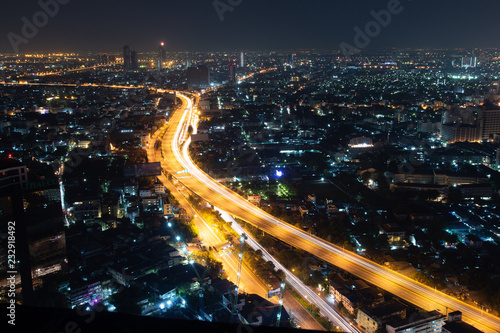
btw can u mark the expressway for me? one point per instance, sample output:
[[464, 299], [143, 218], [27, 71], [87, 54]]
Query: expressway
[[175, 144], [289, 301], [249, 283], [306, 292]]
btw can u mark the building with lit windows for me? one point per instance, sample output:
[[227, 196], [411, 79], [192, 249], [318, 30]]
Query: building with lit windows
[[425, 322], [461, 133], [31, 200], [490, 123], [12, 173]]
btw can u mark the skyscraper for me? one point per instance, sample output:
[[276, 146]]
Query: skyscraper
[[232, 73], [126, 58], [242, 59], [161, 55], [33, 201], [198, 77], [290, 60], [134, 61]]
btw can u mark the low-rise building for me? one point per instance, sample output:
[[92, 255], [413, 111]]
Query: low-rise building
[[145, 193], [424, 322], [130, 188], [254, 199], [395, 233], [454, 324], [331, 208], [86, 209], [374, 318], [159, 188]]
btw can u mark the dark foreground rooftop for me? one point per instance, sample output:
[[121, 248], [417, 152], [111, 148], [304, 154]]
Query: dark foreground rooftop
[[45, 320]]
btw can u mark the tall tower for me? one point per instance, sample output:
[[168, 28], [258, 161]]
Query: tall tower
[[232, 73], [161, 52], [36, 209], [126, 58], [242, 59], [134, 61]]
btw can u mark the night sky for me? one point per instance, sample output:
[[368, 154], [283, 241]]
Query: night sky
[[194, 25]]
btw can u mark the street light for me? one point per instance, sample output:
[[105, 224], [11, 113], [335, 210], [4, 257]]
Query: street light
[[178, 238]]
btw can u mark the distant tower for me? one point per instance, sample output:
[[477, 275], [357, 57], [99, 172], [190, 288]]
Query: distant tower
[[126, 58], [232, 73], [161, 52], [394, 59], [134, 61], [242, 59]]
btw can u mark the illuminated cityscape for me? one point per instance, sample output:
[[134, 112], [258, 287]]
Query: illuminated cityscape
[[226, 178]]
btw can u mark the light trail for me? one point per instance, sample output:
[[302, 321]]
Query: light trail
[[249, 282], [304, 291], [219, 196]]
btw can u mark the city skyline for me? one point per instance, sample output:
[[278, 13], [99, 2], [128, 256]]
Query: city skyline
[[317, 165]]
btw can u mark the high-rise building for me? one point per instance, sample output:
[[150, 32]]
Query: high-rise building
[[134, 61], [12, 173], [490, 123], [161, 55], [242, 59], [461, 133], [462, 116], [198, 77], [232, 73], [127, 62], [33, 202], [103, 59]]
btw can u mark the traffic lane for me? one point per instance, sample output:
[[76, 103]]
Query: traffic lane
[[237, 202], [174, 165], [302, 317], [379, 277]]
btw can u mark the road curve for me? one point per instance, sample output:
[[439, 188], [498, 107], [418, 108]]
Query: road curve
[[175, 143]]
